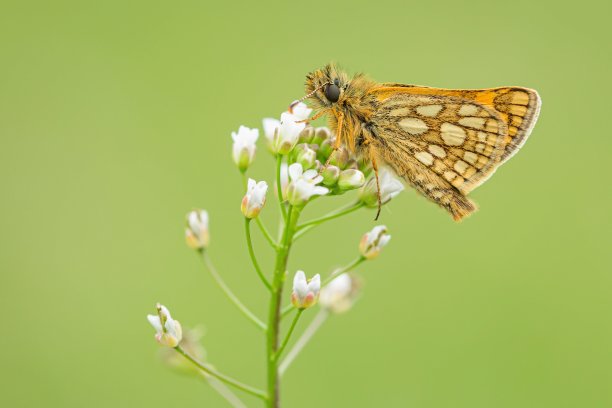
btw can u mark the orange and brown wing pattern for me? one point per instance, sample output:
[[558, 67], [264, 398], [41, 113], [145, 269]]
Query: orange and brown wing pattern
[[445, 143], [518, 107]]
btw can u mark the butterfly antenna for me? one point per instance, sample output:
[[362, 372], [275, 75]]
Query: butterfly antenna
[[305, 97]]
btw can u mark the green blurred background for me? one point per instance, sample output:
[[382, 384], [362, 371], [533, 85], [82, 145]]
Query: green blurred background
[[115, 120]]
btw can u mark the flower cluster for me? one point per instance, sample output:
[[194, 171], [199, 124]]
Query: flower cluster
[[308, 165]]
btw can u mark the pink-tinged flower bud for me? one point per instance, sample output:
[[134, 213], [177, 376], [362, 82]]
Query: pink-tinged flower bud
[[306, 135], [390, 187], [169, 331], [351, 179], [243, 150], [305, 293], [254, 199], [372, 242], [197, 234]]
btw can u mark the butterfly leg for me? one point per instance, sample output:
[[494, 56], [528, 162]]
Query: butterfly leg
[[338, 140], [375, 167], [315, 117]]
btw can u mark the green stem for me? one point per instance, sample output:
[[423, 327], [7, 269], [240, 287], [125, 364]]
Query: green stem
[[289, 333], [229, 293], [274, 316], [312, 328], [247, 228], [223, 390], [307, 226], [279, 187], [265, 232], [222, 377]]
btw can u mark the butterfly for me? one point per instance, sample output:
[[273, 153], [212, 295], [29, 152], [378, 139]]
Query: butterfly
[[442, 142]]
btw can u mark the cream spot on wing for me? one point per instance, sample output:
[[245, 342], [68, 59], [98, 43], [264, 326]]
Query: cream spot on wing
[[425, 158], [431, 111], [470, 157], [437, 194], [477, 123], [468, 110], [482, 137], [517, 110], [457, 182], [492, 126], [414, 126], [469, 172], [449, 175], [460, 166], [480, 147], [437, 151], [520, 98], [452, 135]]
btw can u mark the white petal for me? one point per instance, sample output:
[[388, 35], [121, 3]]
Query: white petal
[[295, 171], [155, 322]]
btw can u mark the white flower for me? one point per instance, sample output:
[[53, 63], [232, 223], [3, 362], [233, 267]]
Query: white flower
[[305, 293], [390, 186], [303, 185], [254, 199], [300, 111], [196, 233], [269, 126], [339, 295], [243, 150], [169, 331], [351, 179], [287, 133], [372, 242]]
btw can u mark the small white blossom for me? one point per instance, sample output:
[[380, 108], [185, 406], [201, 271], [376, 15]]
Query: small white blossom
[[390, 186], [339, 295], [303, 185], [300, 110], [350, 179], [269, 127], [254, 199], [243, 150], [372, 242], [169, 331], [305, 293], [196, 232], [287, 133]]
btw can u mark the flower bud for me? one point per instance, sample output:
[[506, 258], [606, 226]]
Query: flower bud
[[243, 150], [350, 179], [305, 156], [303, 185], [389, 188], [339, 295], [340, 158], [169, 331], [305, 293], [330, 175], [321, 134], [254, 199], [372, 242], [196, 233], [306, 135]]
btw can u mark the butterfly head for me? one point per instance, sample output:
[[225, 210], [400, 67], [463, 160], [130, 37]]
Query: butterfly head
[[326, 86]]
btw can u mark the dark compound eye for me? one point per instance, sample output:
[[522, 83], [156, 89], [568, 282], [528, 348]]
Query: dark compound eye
[[332, 92]]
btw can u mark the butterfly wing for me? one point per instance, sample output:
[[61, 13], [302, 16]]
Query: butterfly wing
[[445, 143]]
